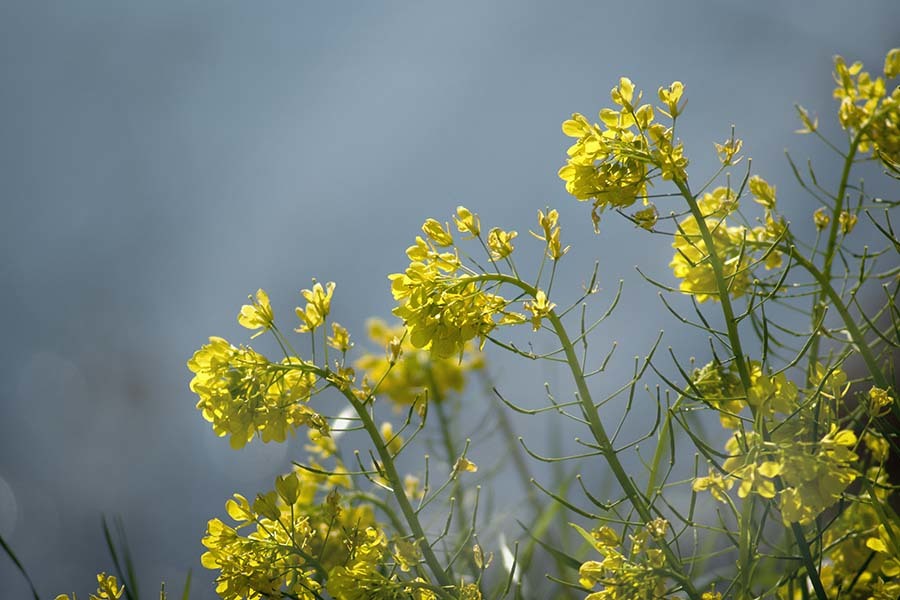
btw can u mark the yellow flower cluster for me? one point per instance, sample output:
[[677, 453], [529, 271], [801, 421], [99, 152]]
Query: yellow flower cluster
[[243, 394], [612, 163], [405, 376], [734, 246], [295, 537], [625, 575], [868, 108], [443, 307], [107, 589], [814, 474], [691, 262], [861, 561]]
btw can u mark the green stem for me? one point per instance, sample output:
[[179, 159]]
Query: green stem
[[735, 342], [818, 308], [390, 471], [856, 335], [724, 298], [599, 432], [457, 490]]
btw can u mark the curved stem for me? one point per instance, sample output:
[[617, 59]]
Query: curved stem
[[390, 471], [599, 432], [734, 339]]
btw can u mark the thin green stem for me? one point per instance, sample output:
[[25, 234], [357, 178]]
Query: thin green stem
[[746, 550], [390, 472], [599, 432], [853, 330], [818, 308]]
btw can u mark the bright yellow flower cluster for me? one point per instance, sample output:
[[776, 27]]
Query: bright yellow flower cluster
[[625, 575], [691, 262], [735, 246], [107, 589], [295, 537], [860, 559], [611, 163], [869, 108], [243, 394], [406, 375], [814, 474], [443, 306]]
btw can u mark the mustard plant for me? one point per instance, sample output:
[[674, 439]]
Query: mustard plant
[[799, 502]]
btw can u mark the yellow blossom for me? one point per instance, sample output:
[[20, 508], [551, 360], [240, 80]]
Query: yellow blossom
[[671, 96], [646, 218], [340, 338], [258, 314], [437, 233], [715, 483], [763, 193], [728, 150], [691, 262], [880, 402], [394, 442], [539, 308], [406, 373], [500, 242], [464, 465], [467, 222]]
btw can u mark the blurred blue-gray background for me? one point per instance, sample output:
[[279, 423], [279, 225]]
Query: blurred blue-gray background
[[161, 160]]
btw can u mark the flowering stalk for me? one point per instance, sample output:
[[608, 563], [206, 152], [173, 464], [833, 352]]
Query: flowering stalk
[[596, 427]]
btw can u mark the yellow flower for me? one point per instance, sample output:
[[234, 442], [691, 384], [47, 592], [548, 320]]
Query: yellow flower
[[442, 311], [848, 221], [646, 218], [406, 554], [243, 394], [266, 553], [467, 222], [107, 589], [728, 150], [715, 483], [318, 305], [464, 465], [550, 234], [880, 402], [340, 338], [623, 93], [257, 315], [437, 233], [406, 374], [393, 441], [892, 63], [500, 242], [539, 308], [671, 96], [762, 192], [821, 218]]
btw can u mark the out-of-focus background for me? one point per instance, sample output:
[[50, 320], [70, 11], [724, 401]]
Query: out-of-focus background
[[161, 160]]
